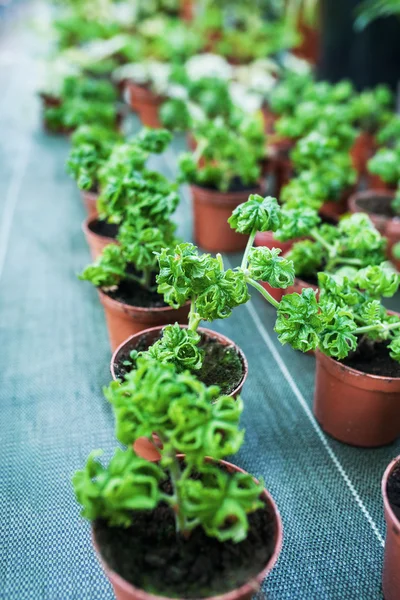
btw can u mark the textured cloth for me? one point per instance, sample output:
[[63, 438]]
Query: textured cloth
[[54, 360]]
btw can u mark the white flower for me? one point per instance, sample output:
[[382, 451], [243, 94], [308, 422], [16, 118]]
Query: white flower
[[209, 65]]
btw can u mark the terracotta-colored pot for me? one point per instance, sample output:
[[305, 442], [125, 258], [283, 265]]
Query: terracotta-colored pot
[[309, 47], [125, 321], [267, 239], [354, 407], [389, 227], [362, 150], [391, 562], [152, 334], [211, 210], [270, 119], [95, 241], [187, 10], [49, 100], [126, 591], [334, 209], [374, 182], [146, 104], [90, 203]]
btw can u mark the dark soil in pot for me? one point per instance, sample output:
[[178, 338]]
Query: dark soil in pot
[[374, 359], [377, 205], [221, 365], [151, 556], [103, 228], [132, 293], [237, 185], [393, 490]]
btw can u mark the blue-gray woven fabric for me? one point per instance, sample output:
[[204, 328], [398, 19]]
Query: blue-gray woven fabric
[[54, 360]]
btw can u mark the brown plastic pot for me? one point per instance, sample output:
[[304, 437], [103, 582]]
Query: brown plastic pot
[[363, 149], [389, 227], [374, 182], [125, 321], [391, 561], [152, 334], [146, 104], [211, 211], [309, 47], [187, 10], [95, 241], [267, 239], [126, 591], [90, 203], [334, 209], [354, 407]]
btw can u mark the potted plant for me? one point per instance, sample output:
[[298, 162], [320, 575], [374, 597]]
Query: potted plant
[[91, 146], [213, 292], [386, 138], [383, 206], [126, 182], [124, 274], [358, 374], [225, 167], [353, 241], [371, 109], [325, 174], [150, 520], [391, 501], [82, 101]]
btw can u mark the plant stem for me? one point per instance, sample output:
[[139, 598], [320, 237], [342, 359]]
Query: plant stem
[[175, 475], [146, 279], [317, 237], [263, 292], [343, 261], [249, 246], [378, 326], [194, 319]]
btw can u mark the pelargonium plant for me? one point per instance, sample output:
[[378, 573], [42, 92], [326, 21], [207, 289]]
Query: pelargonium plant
[[385, 164], [74, 112], [128, 186], [91, 146], [353, 241], [226, 154], [371, 109], [133, 259], [189, 419]]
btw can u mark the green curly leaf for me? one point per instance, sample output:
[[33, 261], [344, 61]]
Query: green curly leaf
[[298, 322], [265, 264], [257, 214]]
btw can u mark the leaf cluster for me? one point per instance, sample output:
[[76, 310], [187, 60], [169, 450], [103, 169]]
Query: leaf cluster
[[226, 153], [189, 419], [91, 146]]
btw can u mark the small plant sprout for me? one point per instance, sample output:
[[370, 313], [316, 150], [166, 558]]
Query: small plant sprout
[[189, 419]]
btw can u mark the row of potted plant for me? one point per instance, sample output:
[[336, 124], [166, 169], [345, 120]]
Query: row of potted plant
[[192, 500]]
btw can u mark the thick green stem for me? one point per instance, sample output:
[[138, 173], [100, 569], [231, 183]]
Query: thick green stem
[[342, 261], [175, 475], [377, 327], [318, 238], [249, 246], [146, 279], [263, 292], [194, 318]]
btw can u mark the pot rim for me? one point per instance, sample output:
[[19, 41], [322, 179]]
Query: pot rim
[[205, 330], [214, 196], [88, 232], [151, 97], [247, 588], [338, 368], [119, 306], [357, 196], [388, 471]]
